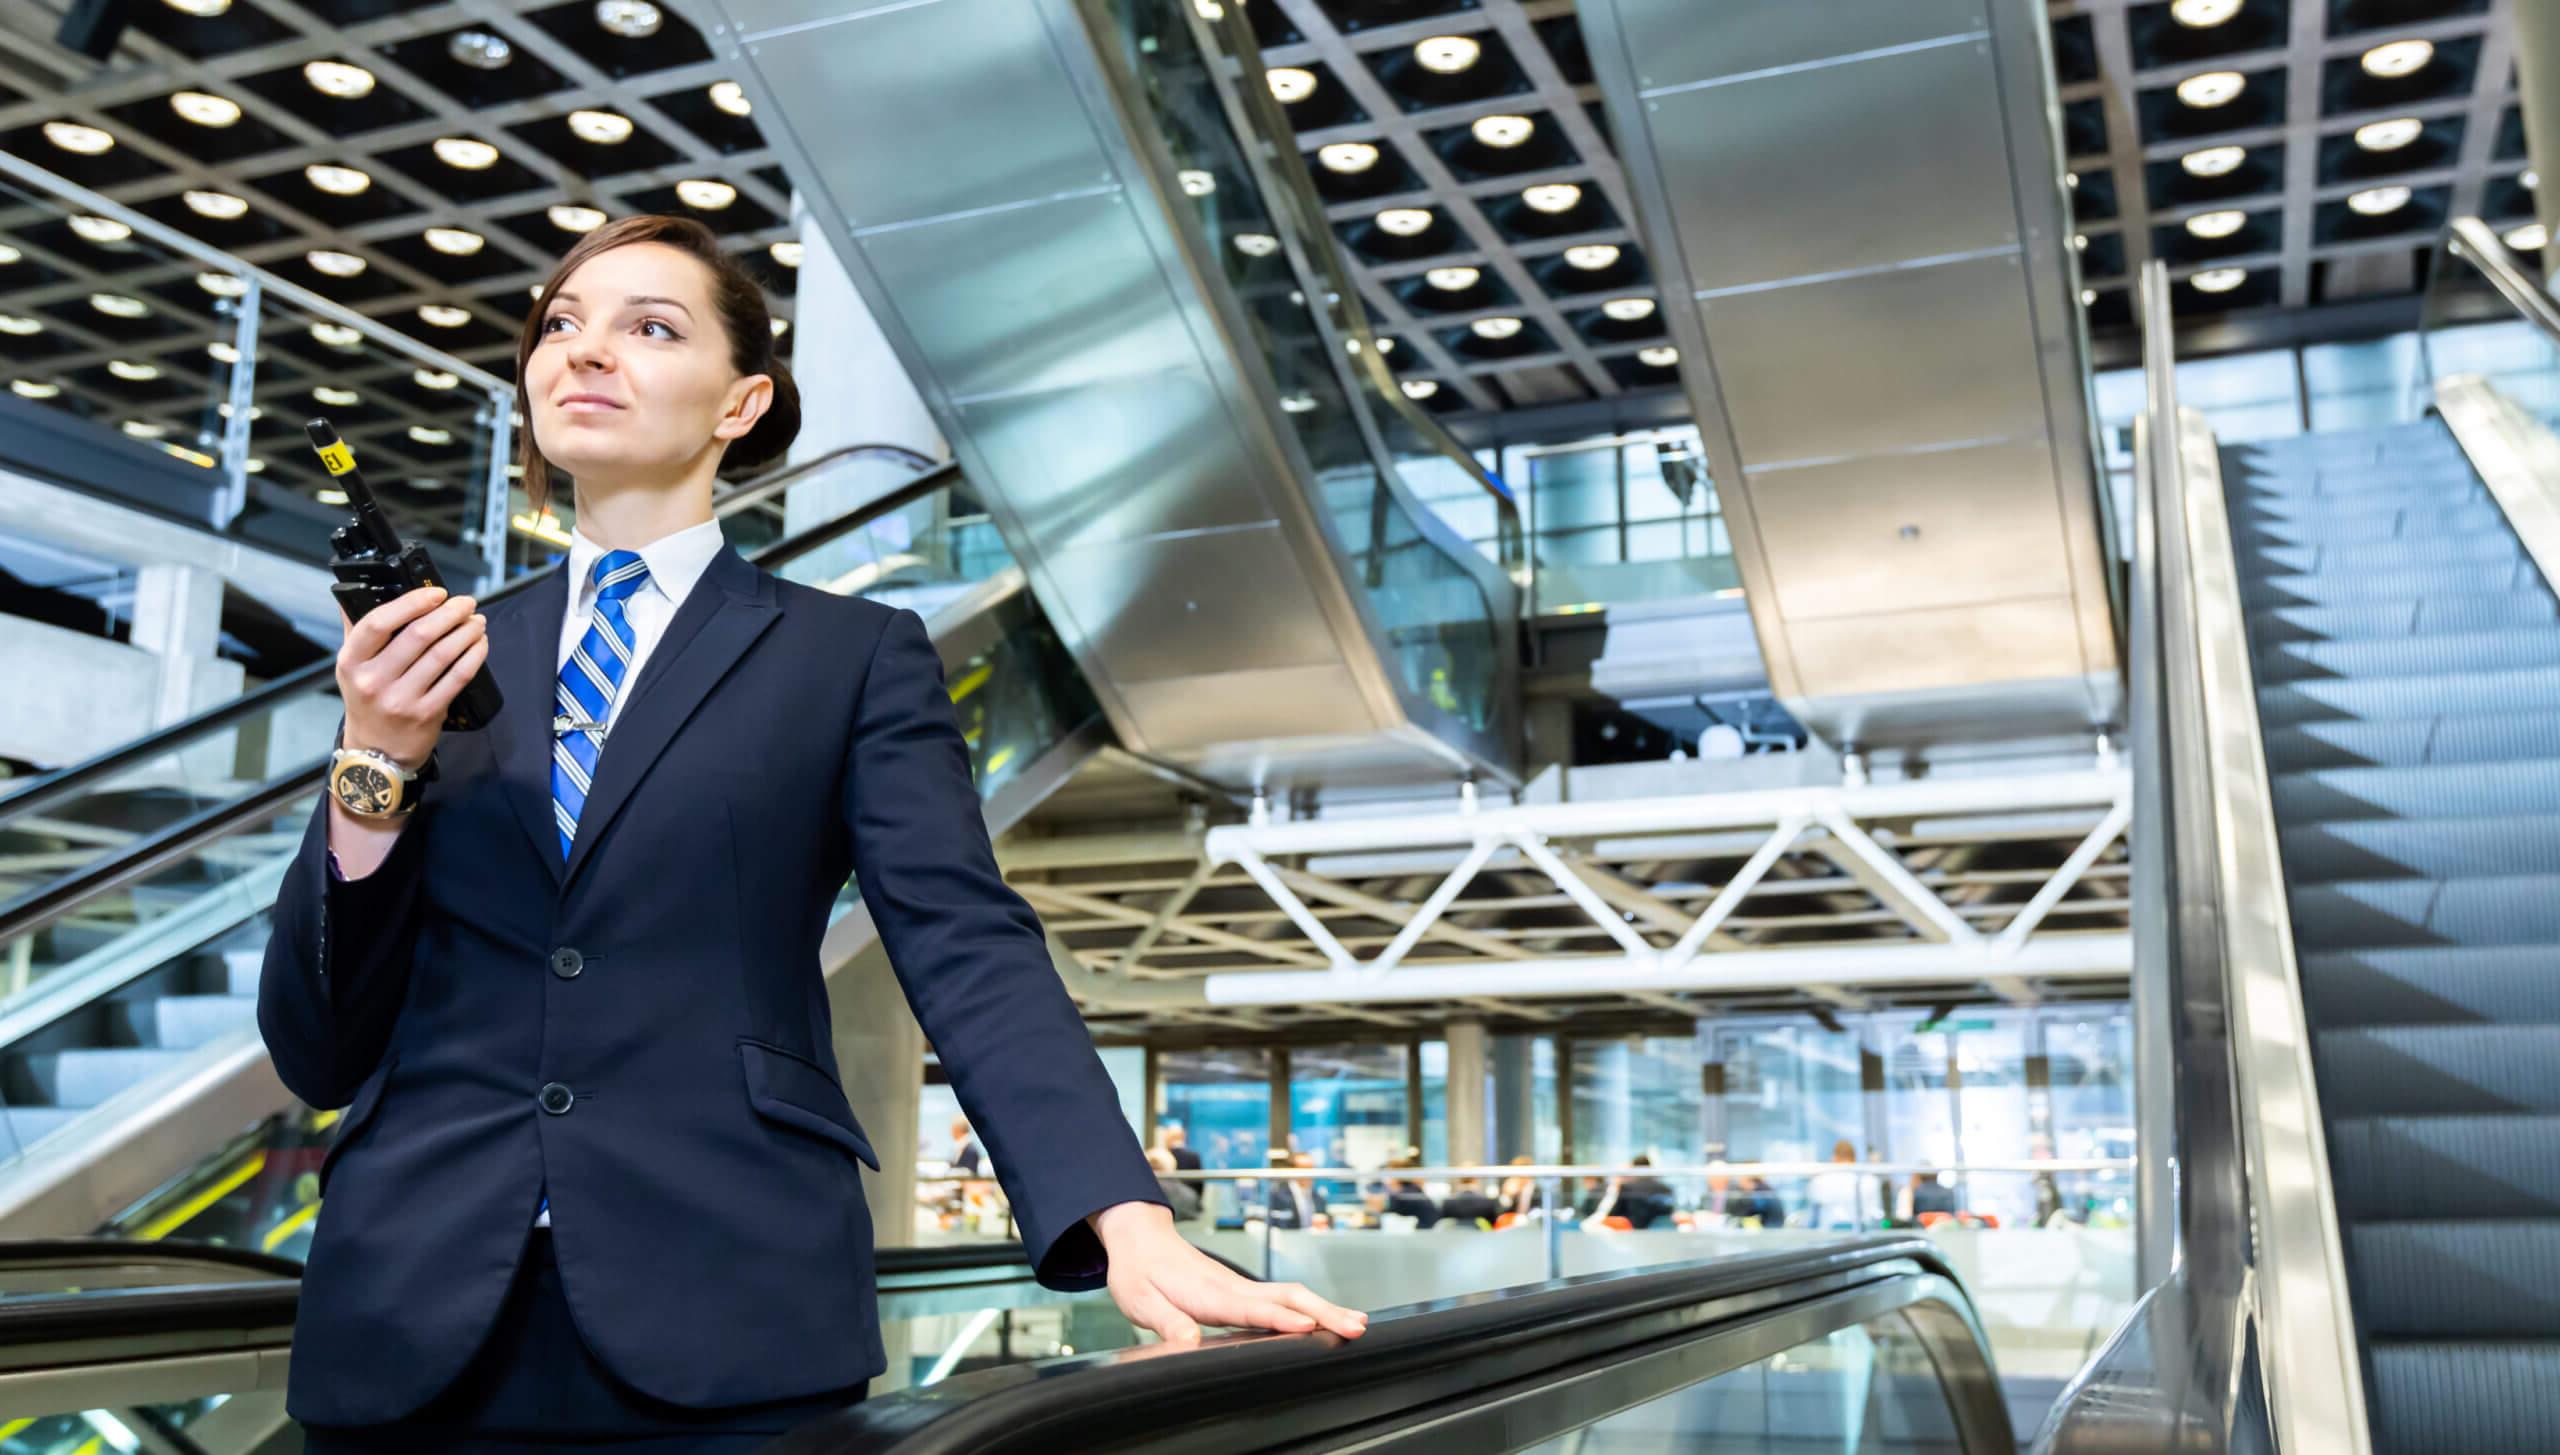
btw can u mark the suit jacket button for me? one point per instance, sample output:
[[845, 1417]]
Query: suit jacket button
[[557, 1098], [566, 963]]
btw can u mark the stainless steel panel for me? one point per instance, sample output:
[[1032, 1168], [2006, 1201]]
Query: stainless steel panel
[[1266, 712], [1676, 42], [1881, 362], [1816, 172], [1908, 533], [1119, 459], [1194, 604], [1888, 651], [981, 76]]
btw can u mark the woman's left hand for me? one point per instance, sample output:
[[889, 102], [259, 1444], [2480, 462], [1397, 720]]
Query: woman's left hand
[[1164, 1284]]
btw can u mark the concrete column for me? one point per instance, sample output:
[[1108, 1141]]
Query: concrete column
[[853, 390], [2538, 87], [1465, 1100], [177, 618], [1515, 1098]]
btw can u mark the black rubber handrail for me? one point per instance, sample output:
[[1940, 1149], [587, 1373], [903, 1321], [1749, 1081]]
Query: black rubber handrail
[[67, 782], [1309, 1391], [42, 906]]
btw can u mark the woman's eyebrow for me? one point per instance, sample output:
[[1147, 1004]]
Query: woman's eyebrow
[[636, 299]]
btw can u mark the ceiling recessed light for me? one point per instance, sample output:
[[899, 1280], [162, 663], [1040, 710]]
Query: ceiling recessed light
[[2533, 237], [335, 264], [2201, 13], [119, 305], [2088, 296], [455, 242], [1195, 182], [257, 466], [1592, 257], [1420, 388], [201, 9], [702, 194], [1447, 55], [204, 108], [222, 285], [220, 206], [789, 254], [601, 128], [2214, 161], [337, 181], [143, 429], [443, 315], [1503, 131], [1496, 329], [2219, 280], [1257, 244], [434, 378], [2529, 179], [731, 97], [470, 154], [1291, 84], [32, 389], [96, 229], [339, 79], [9, 255], [2389, 136], [1453, 280], [2396, 58], [256, 411], [2079, 242], [1552, 197], [481, 50], [1297, 403], [429, 435], [1406, 221], [2212, 88], [128, 370], [335, 397], [1386, 346], [71, 136], [1628, 310], [336, 335], [2211, 225], [536, 292], [19, 326], [781, 326], [570, 217], [1347, 157], [2378, 201], [223, 353], [630, 19], [1661, 357]]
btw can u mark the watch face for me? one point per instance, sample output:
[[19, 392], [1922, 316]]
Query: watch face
[[365, 789]]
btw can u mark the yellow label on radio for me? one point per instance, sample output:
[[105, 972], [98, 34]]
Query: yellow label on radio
[[338, 458]]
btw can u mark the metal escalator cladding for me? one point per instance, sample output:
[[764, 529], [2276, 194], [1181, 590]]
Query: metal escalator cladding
[[2409, 682]]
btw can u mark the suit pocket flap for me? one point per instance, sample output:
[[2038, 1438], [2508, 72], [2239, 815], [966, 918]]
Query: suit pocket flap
[[797, 1092]]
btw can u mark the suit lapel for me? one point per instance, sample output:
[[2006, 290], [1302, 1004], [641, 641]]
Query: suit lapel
[[722, 616], [524, 650]]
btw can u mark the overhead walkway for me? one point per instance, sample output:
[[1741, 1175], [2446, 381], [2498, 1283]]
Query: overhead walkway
[[2348, 724], [1108, 274], [1870, 1346], [130, 1061]]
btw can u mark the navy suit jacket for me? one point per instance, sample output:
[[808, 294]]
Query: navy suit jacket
[[700, 1156]]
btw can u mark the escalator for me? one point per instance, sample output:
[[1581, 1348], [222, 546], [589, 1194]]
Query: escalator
[[1871, 1346], [2348, 679], [138, 1094]]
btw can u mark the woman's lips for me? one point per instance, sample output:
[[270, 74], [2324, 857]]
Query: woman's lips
[[587, 404]]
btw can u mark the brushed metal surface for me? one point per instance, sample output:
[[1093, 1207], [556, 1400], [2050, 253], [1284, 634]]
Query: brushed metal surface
[[1679, 42], [1910, 533]]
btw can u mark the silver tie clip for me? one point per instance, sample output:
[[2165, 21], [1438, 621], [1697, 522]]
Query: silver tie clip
[[562, 725]]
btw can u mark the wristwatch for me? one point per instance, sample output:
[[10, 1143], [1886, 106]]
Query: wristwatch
[[371, 785]]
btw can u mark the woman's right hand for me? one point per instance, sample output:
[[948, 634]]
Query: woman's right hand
[[402, 665]]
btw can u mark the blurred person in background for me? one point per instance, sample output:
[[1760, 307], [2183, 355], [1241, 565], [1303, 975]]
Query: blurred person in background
[[1837, 1195]]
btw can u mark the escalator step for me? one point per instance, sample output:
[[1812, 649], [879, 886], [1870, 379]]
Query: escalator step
[[2263, 591], [2444, 1398], [2379, 699], [2427, 616], [2516, 909], [2497, 547], [2431, 791], [2343, 482], [2397, 522], [2446, 1167], [2438, 1070], [2479, 1279], [2407, 742], [2414, 656], [2517, 985], [2436, 848], [2252, 509]]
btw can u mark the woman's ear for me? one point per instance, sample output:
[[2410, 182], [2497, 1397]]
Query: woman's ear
[[748, 399]]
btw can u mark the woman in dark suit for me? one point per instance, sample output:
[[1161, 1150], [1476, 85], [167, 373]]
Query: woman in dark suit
[[598, 1183]]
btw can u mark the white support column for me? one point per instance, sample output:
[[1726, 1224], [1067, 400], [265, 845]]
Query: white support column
[[1466, 1094], [177, 617]]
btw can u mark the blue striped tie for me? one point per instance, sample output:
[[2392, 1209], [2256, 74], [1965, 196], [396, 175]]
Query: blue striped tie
[[588, 681]]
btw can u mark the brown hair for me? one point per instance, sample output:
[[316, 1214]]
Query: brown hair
[[735, 296]]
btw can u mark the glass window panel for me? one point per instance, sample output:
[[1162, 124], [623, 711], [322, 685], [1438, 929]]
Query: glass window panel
[[1638, 1097], [1346, 1104], [2245, 396]]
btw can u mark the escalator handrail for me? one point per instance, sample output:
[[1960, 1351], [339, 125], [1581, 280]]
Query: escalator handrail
[[73, 779], [42, 906], [2477, 243], [1292, 1391]]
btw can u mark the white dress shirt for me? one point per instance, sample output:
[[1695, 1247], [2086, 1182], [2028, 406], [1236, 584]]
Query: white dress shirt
[[676, 562]]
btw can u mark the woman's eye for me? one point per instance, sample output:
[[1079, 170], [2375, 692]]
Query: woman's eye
[[666, 330], [551, 324]]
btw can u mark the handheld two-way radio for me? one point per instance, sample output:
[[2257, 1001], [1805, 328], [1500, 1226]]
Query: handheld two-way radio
[[374, 566]]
